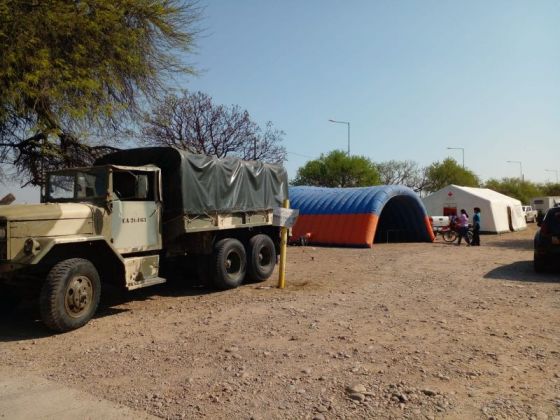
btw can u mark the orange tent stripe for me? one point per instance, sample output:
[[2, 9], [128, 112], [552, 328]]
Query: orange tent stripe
[[429, 227], [337, 229]]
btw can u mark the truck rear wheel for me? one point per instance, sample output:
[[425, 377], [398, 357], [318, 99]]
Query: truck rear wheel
[[261, 259], [230, 264], [70, 295]]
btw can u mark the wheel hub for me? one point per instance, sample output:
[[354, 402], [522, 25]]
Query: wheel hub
[[78, 296], [264, 257], [233, 263]]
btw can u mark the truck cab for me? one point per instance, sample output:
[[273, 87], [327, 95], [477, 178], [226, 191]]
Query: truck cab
[[92, 223]]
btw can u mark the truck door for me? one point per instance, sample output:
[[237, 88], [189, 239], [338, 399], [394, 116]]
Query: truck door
[[136, 212]]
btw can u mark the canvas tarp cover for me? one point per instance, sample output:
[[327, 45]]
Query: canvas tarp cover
[[198, 184]]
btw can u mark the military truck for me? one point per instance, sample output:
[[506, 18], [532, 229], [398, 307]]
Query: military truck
[[134, 213]]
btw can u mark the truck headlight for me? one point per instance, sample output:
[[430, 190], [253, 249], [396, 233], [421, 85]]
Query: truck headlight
[[30, 246]]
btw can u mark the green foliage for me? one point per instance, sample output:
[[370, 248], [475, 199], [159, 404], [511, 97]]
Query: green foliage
[[336, 169], [516, 188], [448, 172], [550, 189], [524, 191], [68, 68]]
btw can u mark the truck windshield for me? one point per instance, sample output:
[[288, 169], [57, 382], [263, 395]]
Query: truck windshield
[[77, 185]]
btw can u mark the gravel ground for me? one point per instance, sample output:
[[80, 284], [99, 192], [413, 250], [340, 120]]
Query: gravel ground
[[397, 331]]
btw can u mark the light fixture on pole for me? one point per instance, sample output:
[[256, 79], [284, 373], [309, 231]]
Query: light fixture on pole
[[348, 124], [462, 149], [520, 167], [555, 171]]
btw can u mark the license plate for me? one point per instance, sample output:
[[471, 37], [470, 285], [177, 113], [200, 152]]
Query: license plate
[[555, 240]]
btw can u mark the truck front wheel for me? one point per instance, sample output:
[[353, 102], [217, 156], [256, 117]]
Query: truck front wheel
[[70, 295], [230, 263], [262, 258]]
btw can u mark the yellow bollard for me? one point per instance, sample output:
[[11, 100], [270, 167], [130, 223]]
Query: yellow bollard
[[283, 246]]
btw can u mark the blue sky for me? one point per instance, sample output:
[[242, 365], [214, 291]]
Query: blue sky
[[412, 77]]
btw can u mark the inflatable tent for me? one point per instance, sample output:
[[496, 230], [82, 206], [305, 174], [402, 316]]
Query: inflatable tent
[[359, 216], [499, 213]]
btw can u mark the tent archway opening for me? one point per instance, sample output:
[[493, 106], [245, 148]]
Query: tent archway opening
[[360, 216], [510, 219], [398, 221]]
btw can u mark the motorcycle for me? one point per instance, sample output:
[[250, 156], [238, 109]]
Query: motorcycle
[[451, 233]]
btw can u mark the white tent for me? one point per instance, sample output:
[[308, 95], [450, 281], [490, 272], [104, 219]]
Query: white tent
[[499, 213]]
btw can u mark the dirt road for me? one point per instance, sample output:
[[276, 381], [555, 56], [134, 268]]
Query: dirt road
[[400, 330]]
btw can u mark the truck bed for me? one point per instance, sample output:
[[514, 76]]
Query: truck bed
[[208, 222]]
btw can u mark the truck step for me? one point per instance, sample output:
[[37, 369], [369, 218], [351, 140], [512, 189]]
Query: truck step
[[147, 282]]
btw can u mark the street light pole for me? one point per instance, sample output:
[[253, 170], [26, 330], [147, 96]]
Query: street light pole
[[520, 167], [555, 171], [462, 149], [348, 124]]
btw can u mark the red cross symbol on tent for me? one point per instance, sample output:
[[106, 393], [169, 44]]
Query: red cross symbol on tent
[[449, 193]]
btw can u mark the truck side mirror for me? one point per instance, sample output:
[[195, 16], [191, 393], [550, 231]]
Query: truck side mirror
[[81, 187]]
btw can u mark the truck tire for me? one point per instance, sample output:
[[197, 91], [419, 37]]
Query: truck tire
[[70, 295], [230, 264], [8, 300], [261, 258]]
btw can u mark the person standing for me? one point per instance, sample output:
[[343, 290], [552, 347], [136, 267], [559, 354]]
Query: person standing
[[463, 224], [476, 227]]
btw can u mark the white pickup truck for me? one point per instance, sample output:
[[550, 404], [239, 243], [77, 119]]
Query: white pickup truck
[[530, 214]]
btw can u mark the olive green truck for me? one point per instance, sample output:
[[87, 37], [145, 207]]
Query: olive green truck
[[134, 216]]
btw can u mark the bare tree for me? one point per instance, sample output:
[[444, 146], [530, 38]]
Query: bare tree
[[405, 172], [32, 156], [194, 123]]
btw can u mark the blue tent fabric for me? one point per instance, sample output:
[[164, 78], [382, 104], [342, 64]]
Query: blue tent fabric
[[321, 200], [397, 208]]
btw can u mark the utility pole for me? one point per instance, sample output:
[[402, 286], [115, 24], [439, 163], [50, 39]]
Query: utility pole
[[348, 124]]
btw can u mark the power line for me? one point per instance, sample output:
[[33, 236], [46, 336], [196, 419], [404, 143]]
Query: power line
[[299, 154]]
